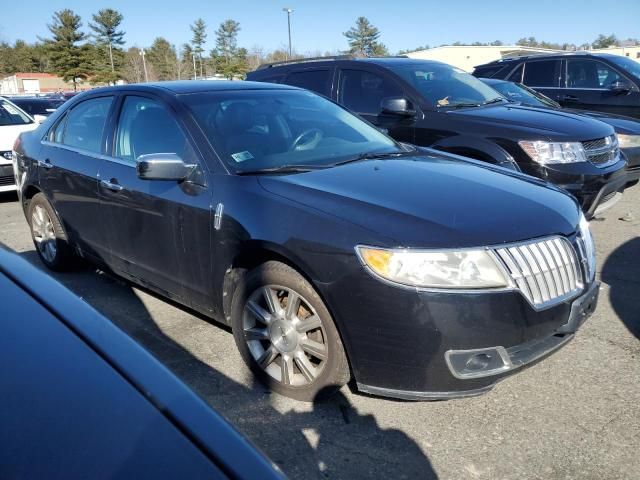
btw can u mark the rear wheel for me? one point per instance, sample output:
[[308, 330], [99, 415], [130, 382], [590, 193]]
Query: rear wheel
[[286, 335], [48, 235]]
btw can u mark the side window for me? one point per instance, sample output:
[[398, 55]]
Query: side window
[[57, 132], [318, 81], [516, 76], [585, 73], [272, 78], [362, 91], [85, 124], [145, 127], [542, 73]]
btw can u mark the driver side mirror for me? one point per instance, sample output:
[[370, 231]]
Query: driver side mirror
[[399, 106], [39, 118], [162, 166], [620, 87]]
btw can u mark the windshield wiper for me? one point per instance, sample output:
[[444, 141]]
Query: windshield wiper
[[493, 100], [372, 156], [282, 169], [460, 105]]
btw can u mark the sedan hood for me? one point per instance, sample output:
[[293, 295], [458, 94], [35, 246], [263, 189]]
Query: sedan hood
[[621, 124], [433, 201], [557, 125]]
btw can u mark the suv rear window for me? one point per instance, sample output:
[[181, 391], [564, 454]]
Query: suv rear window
[[542, 73], [318, 81]]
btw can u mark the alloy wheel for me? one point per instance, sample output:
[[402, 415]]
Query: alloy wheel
[[285, 335], [44, 234]]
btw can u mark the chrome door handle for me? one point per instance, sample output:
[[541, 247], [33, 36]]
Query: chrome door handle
[[114, 187], [46, 164]]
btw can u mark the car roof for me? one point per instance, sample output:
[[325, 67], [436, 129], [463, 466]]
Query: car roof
[[195, 86], [546, 56], [324, 61]]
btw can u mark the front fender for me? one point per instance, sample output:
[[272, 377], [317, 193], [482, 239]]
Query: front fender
[[478, 148]]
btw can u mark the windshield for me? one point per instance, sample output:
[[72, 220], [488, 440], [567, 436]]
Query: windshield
[[519, 93], [629, 65], [445, 86], [269, 129], [12, 115], [39, 106]]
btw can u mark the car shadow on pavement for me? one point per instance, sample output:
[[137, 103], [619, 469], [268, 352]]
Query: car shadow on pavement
[[326, 439], [620, 272]]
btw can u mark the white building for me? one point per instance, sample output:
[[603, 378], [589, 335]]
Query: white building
[[632, 52], [467, 57]]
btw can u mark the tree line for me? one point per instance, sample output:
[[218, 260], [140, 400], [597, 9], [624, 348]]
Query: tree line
[[97, 55]]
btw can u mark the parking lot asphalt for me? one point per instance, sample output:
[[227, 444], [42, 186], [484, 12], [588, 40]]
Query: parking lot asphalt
[[575, 415]]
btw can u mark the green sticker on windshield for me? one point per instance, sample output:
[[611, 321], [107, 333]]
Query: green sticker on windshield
[[241, 156]]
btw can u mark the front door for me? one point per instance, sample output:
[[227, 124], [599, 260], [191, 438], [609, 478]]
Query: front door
[[155, 225], [362, 92], [71, 157], [588, 87]]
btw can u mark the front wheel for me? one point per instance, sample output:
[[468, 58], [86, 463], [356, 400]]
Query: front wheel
[[48, 235], [286, 335]]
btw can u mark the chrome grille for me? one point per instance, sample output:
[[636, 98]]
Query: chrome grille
[[546, 271], [602, 151]]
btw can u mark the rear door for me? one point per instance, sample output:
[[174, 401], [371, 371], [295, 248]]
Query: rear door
[[317, 79], [155, 227], [69, 163], [362, 91], [543, 76], [587, 86]]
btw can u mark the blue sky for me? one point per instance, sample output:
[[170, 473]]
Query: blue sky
[[318, 25]]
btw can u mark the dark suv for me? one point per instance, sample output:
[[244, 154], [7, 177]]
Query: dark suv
[[435, 105], [601, 82]]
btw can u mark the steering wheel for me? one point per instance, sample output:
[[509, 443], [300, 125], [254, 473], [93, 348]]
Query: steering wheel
[[307, 140]]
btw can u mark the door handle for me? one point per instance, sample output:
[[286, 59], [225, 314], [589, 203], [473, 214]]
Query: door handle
[[46, 164], [112, 185], [570, 98]]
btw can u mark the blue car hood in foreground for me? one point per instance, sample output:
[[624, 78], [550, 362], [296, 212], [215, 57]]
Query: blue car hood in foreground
[[432, 201]]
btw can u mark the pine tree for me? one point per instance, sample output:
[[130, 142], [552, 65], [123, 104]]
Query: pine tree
[[187, 61], [363, 39], [109, 40], [229, 60], [68, 59], [199, 29], [162, 56]]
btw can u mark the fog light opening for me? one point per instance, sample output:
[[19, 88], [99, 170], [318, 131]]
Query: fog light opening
[[479, 361]]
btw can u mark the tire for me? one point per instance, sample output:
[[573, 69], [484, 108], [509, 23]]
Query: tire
[[296, 352], [48, 235]]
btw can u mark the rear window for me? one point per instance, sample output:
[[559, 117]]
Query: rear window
[[318, 81], [542, 73]]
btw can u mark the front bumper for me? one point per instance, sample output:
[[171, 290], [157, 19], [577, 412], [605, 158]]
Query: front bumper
[[595, 188], [7, 177], [398, 340]]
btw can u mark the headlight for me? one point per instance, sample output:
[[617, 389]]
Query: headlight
[[7, 155], [468, 269], [628, 141], [554, 152], [589, 247]]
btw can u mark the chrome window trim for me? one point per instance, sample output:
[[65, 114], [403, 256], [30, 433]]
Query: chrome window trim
[[89, 153], [581, 276]]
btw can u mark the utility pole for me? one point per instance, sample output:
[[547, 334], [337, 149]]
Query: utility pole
[[195, 75], [144, 65], [289, 12], [113, 69]]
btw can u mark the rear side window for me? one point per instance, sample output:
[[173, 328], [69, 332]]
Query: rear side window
[[495, 71], [543, 73], [318, 81], [362, 91], [271, 79], [516, 75], [147, 127], [85, 124]]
